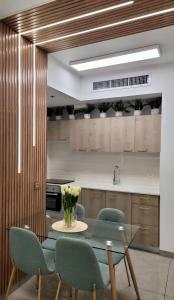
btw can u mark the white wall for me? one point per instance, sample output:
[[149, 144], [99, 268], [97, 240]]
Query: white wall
[[62, 79], [138, 169], [162, 82]]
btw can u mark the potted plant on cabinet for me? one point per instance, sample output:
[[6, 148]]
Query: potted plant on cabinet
[[155, 105], [138, 106], [119, 107], [103, 108], [58, 111], [88, 110], [70, 110]]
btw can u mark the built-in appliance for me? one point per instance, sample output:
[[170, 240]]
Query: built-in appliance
[[53, 193]]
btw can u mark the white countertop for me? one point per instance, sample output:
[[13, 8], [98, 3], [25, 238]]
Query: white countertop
[[132, 188]]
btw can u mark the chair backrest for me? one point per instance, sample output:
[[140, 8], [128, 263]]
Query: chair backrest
[[77, 264], [26, 251], [80, 211], [111, 215], [107, 224]]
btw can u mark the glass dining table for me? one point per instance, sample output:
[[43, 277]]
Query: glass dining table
[[109, 238]]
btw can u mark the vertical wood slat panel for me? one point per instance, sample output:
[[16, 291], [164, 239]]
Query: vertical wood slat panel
[[18, 199]]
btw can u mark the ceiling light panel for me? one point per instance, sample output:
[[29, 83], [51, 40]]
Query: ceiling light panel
[[118, 59]]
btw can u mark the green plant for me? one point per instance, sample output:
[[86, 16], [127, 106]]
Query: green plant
[[104, 106], [70, 109], [155, 103], [119, 106], [58, 110], [137, 104]]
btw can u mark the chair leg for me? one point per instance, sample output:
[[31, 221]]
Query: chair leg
[[37, 281], [10, 282], [74, 294], [94, 294], [127, 271], [132, 275], [39, 285], [58, 288]]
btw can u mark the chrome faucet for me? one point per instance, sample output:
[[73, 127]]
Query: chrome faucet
[[116, 175]]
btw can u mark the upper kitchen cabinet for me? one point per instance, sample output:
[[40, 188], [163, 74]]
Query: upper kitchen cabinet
[[148, 133], [58, 130], [79, 135], [99, 135], [122, 134]]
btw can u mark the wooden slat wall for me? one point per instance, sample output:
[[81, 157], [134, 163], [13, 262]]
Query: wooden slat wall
[[18, 198], [62, 9]]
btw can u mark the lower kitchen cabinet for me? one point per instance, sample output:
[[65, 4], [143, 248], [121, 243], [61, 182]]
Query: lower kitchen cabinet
[[93, 201], [145, 213], [141, 210], [120, 201]]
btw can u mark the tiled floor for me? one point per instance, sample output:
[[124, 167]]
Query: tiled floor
[[155, 277]]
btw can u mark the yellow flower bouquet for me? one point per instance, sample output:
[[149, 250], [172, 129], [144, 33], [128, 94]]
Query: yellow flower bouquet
[[70, 195]]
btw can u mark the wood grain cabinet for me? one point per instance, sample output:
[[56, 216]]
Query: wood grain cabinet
[[145, 213], [122, 134], [58, 130], [148, 133], [93, 201], [120, 201], [79, 135]]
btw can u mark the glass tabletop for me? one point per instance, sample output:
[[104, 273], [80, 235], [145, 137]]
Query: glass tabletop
[[100, 234]]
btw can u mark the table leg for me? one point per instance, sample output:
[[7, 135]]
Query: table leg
[[112, 274], [132, 274]]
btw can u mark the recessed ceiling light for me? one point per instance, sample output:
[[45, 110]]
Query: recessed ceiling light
[[117, 59], [142, 17], [93, 13]]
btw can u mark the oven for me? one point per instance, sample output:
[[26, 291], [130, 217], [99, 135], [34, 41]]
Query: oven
[[53, 201], [53, 194]]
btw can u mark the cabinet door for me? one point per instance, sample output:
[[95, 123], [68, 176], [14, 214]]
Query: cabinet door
[[58, 130], [148, 134], [145, 213], [99, 135], [121, 201], [122, 134], [95, 133], [93, 201], [79, 135]]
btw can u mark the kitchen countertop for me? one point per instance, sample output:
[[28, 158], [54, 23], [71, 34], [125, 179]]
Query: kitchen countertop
[[132, 188]]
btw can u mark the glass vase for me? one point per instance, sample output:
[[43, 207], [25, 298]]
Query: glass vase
[[69, 216]]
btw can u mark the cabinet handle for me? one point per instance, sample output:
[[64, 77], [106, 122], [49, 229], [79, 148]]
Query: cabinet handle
[[142, 150], [128, 150], [144, 229], [145, 208]]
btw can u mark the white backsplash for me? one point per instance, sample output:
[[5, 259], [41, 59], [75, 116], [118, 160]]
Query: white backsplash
[[135, 168]]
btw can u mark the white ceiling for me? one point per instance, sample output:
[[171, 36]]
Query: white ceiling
[[10, 7], [162, 37], [60, 99]]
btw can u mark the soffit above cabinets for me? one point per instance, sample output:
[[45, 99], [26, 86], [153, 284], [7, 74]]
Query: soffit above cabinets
[[64, 9]]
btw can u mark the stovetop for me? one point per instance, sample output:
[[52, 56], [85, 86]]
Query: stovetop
[[58, 181]]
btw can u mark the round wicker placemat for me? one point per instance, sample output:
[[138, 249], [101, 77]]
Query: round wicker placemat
[[77, 227]]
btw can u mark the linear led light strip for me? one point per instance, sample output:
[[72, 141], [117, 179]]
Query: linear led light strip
[[34, 95], [96, 12], [157, 13], [19, 103]]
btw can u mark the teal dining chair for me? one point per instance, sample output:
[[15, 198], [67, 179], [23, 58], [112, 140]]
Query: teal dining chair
[[77, 266], [28, 256], [115, 216], [50, 243]]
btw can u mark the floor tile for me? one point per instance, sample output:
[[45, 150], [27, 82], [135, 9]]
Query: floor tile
[[151, 271], [170, 281]]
